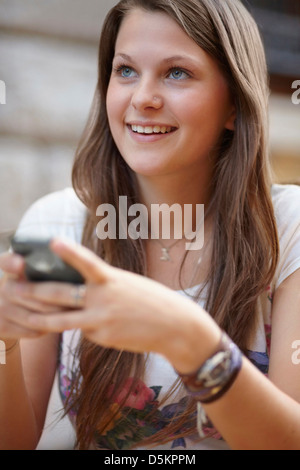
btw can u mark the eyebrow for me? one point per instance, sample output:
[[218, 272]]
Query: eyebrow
[[123, 56], [167, 60]]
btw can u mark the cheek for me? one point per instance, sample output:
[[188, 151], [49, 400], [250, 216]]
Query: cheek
[[115, 108], [206, 116], [203, 127], [117, 102], [111, 106]]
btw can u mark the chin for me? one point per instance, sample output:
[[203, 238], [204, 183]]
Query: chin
[[147, 168]]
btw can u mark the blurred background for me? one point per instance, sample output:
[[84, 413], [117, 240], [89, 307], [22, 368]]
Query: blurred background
[[48, 63], [48, 54]]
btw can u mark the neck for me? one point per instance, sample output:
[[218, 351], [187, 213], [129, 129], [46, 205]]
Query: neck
[[174, 190], [184, 198]]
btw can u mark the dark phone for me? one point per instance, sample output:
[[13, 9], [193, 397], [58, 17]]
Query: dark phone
[[41, 264]]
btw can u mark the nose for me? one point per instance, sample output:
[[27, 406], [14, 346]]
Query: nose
[[146, 96]]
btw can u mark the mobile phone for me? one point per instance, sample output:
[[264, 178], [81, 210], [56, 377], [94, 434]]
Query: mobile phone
[[41, 264]]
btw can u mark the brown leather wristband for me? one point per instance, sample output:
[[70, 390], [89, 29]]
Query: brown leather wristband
[[217, 374]]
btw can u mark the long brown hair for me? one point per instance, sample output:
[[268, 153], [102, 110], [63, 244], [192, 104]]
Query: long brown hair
[[245, 243]]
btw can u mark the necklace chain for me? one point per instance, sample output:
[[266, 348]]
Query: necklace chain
[[165, 250]]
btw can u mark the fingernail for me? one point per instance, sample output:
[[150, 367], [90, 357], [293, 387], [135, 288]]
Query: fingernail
[[58, 243]]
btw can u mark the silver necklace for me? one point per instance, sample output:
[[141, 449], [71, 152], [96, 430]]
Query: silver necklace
[[165, 250]]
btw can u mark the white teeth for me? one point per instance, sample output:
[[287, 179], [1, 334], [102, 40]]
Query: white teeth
[[151, 129]]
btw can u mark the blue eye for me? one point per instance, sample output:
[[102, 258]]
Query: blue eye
[[178, 74], [126, 72]]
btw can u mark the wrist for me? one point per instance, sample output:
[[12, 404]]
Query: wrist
[[217, 374], [195, 340], [8, 345]]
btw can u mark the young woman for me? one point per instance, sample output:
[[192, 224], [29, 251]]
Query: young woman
[[179, 117]]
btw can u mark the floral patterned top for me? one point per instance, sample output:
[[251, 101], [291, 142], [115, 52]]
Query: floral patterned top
[[62, 214], [132, 424]]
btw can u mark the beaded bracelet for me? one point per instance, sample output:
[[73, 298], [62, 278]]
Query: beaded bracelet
[[210, 382]]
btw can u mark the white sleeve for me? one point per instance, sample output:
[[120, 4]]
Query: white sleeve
[[287, 210], [57, 214]]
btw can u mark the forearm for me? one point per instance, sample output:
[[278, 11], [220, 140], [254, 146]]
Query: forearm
[[18, 427], [254, 414]]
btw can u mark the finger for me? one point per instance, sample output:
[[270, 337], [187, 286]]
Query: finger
[[12, 263], [45, 296], [35, 306], [57, 323], [13, 331], [91, 266], [12, 291], [15, 323]]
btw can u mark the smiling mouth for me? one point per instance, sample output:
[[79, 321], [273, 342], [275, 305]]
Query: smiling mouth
[[148, 130]]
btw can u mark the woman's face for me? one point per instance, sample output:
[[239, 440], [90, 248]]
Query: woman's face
[[167, 101]]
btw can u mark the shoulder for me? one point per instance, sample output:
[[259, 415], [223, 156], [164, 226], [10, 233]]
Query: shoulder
[[286, 202], [59, 213], [65, 199]]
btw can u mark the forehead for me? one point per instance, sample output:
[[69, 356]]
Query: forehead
[[154, 31]]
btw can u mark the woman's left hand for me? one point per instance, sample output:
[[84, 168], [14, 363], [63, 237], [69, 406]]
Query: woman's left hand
[[120, 309]]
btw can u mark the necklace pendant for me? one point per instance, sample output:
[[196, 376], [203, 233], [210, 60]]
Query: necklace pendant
[[165, 255]]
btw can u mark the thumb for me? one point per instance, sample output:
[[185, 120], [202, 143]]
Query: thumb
[[90, 266]]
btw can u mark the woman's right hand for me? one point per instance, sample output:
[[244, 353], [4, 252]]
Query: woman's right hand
[[14, 311]]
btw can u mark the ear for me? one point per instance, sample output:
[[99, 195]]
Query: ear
[[230, 123]]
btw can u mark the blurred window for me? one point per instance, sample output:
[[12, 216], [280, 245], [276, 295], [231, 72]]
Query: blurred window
[[279, 23]]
